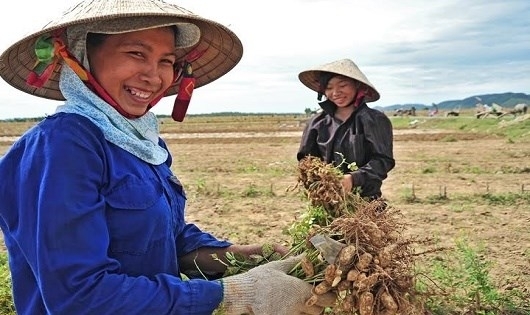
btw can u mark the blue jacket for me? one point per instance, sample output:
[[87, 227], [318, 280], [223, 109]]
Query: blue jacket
[[92, 229]]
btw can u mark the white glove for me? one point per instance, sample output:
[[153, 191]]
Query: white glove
[[269, 290]]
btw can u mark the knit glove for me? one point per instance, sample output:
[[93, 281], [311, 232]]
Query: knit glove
[[268, 289]]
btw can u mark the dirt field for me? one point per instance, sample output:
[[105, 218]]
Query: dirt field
[[237, 188]]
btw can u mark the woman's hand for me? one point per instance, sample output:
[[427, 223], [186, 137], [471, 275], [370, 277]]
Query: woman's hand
[[212, 261], [347, 183], [256, 249], [269, 289]]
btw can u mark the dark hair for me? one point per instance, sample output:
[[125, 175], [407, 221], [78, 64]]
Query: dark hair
[[324, 78], [95, 39]]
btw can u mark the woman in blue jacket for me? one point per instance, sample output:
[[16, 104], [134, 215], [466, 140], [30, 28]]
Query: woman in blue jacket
[[92, 216]]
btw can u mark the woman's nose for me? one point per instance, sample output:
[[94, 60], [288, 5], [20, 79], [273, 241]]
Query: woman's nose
[[150, 73]]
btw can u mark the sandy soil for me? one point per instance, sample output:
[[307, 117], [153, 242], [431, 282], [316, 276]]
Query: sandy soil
[[237, 189], [427, 167]]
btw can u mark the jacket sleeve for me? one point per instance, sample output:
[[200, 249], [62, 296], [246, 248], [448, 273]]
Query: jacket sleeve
[[308, 142], [379, 141], [192, 238]]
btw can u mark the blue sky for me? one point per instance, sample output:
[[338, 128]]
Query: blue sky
[[413, 51]]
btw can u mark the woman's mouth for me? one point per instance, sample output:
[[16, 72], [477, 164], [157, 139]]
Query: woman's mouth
[[139, 93]]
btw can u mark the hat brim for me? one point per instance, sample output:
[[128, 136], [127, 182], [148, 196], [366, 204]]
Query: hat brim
[[347, 68], [222, 51]]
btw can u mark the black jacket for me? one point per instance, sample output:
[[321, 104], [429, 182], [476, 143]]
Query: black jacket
[[365, 138]]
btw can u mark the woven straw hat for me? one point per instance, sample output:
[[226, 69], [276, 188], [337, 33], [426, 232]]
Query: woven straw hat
[[345, 67], [221, 49]]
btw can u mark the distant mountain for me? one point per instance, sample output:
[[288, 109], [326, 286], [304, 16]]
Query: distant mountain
[[507, 100]]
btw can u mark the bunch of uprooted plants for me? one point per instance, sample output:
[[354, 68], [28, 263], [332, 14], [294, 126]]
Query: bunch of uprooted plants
[[354, 248]]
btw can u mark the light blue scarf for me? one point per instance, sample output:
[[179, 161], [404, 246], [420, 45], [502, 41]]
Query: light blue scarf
[[137, 136]]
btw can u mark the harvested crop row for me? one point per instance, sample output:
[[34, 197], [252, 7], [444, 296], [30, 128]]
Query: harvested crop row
[[352, 247], [369, 264]]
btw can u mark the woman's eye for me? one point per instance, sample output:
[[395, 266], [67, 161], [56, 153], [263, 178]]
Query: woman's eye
[[136, 53], [171, 62]]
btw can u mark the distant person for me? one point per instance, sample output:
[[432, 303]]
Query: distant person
[[92, 214], [434, 110], [348, 131]]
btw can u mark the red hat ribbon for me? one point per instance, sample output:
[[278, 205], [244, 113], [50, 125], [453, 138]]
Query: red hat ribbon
[[186, 87]]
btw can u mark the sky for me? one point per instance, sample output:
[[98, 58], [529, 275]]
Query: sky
[[412, 51]]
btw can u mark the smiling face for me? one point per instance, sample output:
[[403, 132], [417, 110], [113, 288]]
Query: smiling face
[[134, 68], [341, 90]]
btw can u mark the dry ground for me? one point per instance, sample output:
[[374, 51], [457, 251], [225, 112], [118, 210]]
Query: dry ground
[[237, 189]]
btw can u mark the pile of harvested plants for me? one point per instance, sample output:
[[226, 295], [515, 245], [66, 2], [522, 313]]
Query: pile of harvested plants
[[354, 248]]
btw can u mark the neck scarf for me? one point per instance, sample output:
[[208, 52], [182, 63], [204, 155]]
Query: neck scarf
[[138, 136]]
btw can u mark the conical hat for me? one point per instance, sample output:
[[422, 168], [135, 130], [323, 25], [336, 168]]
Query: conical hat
[[221, 49], [345, 67]]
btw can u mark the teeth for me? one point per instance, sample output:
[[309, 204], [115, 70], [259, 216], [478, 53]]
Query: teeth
[[139, 93]]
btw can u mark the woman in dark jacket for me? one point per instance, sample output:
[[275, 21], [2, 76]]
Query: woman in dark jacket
[[347, 130]]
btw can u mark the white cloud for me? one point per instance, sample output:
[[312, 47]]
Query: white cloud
[[413, 51]]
